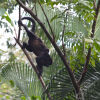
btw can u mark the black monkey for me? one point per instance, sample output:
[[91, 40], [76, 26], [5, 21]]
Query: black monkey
[[36, 46]]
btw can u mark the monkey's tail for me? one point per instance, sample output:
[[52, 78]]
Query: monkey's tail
[[32, 20]]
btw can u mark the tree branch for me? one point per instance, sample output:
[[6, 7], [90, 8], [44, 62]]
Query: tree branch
[[47, 21], [31, 62], [95, 19], [63, 45], [19, 25], [35, 69], [94, 4], [85, 67], [54, 45], [35, 9], [89, 50]]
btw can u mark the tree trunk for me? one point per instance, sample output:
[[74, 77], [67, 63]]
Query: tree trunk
[[80, 95]]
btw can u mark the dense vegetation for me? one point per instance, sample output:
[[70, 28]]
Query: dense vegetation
[[71, 31]]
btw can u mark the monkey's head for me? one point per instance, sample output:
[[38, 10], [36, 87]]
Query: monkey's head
[[44, 61]]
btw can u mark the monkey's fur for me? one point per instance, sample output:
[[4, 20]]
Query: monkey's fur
[[36, 46]]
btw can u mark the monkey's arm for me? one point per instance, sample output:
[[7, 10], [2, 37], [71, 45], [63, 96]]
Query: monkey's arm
[[29, 33], [26, 46]]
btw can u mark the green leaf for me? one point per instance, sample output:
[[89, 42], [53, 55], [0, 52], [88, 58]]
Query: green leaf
[[42, 1], [12, 83], [7, 97], [92, 61], [48, 1], [55, 17], [33, 98], [8, 18], [23, 98]]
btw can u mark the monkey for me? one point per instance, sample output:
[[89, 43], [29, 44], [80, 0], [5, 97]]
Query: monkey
[[36, 46]]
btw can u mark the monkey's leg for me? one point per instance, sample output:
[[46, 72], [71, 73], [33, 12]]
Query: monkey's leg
[[39, 64], [44, 59], [40, 69], [26, 46]]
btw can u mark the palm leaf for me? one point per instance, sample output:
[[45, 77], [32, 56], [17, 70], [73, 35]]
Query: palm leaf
[[23, 77], [56, 19], [61, 88], [91, 84]]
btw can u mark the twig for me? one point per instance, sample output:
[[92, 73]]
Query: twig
[[94, 4], [63, 45], [47, 21], [19, 25], [95, 19], [35, 8], [89, 50], [85, 66], [53, 43], [15, 32]]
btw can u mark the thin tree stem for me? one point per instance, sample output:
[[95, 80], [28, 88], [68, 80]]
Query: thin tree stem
[[19, 25], [47, 20], [89, 50]]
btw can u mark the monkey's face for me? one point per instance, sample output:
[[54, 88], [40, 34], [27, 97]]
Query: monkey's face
[[47, 60], [44, 60]]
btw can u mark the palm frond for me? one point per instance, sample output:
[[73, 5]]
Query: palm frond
[[56, 18], [60, 86], [91, 84], [23, 77]]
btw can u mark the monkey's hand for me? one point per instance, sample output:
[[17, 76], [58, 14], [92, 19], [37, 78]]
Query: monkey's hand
[[24, 45], [20, 23]]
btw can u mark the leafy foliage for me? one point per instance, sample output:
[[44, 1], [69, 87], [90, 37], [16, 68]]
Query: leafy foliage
[[61, 88], [23, 77], [77, 17], [91, 82]]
